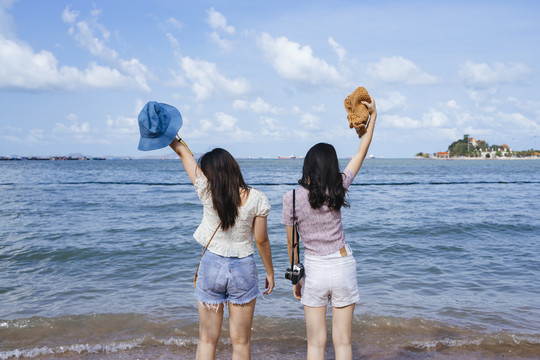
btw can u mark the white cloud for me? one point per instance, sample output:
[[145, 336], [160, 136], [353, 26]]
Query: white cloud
[[452, 104], [175, 23], [221, 124], [258, 106], [225, 122], [485, 99], [206, 79], [36, 136], [393, 101], [318, 108], [122, 125], [240, 105], [69, 16], [310, 121], [22, 68], [295, 62], [11, 133], [435, 119], [269, 123], [10, 138], [401, 122], [529, 106], [92, 36], [6, 20], [270, 127], [484, 75], [224, 45], [340, 51], [399, 70], [172, 40], [518, 121], [217, 21], [72, 128]]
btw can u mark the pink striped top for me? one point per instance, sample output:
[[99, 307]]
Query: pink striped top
[[320, 229]]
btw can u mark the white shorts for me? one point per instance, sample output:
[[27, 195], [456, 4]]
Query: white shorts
[[330, 278]]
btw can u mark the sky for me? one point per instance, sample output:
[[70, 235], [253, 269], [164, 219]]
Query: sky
[[267, 78]]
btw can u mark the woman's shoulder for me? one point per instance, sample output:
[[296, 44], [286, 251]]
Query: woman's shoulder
[[300, 192], [202, 188], [258, 201], [288, 194], [200, 179], [256, 193]]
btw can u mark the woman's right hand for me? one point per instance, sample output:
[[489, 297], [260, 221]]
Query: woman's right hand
[[356, 162], [370, 106], [297, 290]]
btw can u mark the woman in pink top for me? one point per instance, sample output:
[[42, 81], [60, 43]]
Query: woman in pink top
[[330, 268]]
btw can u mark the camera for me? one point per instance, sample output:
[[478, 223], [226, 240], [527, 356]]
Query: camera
[[295, 274]]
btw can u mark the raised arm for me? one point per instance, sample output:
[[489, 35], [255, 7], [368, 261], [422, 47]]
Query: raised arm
[[358, 158], [263, 247], [189, 162]]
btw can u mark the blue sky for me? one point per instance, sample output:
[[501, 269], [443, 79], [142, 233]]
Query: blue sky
[[267, 78]]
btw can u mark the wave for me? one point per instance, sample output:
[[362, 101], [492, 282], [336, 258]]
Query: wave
[[406, 183], [373, 336]]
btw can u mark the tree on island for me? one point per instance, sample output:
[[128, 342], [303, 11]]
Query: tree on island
[[460, 147]]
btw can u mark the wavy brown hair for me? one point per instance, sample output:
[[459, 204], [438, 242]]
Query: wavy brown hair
[[321, 176], [225, 180]]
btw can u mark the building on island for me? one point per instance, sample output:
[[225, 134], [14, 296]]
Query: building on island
[[442, 155]]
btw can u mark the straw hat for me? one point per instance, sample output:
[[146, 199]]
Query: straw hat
[[357, 113]]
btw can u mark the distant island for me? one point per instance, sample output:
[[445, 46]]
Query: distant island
[[469, 147], [63, 157], [77, 156]]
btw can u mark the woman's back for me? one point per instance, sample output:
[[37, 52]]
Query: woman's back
[[236, 241], [320, 229]]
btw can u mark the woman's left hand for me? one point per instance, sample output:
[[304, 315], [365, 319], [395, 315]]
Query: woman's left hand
[[297, 290], [269, 285]]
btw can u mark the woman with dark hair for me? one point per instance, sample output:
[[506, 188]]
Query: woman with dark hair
[[233, 214], [330, 268]]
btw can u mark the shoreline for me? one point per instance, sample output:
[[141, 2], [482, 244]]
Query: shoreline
[[106, 336]]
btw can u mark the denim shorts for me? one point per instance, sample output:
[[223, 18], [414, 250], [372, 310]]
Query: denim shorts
[[226, 279], [330, 278]]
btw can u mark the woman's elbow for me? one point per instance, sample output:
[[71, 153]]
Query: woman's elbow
[[262, 240]]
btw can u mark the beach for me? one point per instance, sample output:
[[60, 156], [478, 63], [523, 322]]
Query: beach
[[274, 338], [97, 260]]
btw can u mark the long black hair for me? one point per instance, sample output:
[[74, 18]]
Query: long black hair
[[225, 180], [321, 176]]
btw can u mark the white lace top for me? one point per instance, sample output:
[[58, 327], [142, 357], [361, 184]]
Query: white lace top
[[238, 240]]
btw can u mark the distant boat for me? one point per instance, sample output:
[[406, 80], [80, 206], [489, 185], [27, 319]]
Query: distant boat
[[371, 156], [287, 157]]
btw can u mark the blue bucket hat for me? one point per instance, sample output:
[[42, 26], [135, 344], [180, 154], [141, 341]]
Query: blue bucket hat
[[158, 125]]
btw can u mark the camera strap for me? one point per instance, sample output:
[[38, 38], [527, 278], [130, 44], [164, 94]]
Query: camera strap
[[206, 247], [295, 236]]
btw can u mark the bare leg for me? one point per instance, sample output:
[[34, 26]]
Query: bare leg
[[240, 321], [210, 322], [316, 332], [341, 331]]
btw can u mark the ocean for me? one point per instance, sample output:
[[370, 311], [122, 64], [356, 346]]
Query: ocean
[[97, 260]]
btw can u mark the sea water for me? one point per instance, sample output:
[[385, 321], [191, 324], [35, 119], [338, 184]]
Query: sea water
[[97, 260]]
